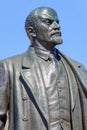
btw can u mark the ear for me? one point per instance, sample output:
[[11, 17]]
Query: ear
[[31, 32]]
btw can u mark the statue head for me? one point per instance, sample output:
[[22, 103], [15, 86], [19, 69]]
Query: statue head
[[42, 25]]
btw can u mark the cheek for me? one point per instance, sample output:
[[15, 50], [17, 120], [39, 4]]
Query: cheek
[[43, 28], [42, 31]]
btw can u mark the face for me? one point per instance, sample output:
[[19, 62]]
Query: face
[[47, 28]]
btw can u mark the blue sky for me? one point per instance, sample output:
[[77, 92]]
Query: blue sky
[[73, 21]]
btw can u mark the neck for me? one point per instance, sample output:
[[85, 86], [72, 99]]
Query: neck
[[43, 45]]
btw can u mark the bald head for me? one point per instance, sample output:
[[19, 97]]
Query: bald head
[[33, 16]]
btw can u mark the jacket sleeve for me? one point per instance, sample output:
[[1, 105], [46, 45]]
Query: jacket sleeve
[[4, 95]]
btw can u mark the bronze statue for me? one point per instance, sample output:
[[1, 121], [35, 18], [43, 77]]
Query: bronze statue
[[43, 89]]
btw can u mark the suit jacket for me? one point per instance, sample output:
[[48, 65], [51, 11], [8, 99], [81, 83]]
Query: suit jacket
[[23, 93]]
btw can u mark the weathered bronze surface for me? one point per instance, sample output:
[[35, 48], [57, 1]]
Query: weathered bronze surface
[[43, 89]]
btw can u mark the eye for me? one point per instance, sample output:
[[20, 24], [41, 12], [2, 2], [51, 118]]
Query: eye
[[48, 21], [57, 21]]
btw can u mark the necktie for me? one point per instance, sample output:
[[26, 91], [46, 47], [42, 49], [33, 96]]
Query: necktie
[[52, 71], [54, 62]]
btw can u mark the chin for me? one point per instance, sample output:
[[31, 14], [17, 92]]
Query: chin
[[58, 41]]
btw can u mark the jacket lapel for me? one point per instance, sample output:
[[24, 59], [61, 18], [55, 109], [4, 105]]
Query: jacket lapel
[[32, 77], [80, 74], [72, 83]]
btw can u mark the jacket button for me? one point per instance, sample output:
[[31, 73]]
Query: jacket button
[[79, 66], [24, 98], [25, 118], [61, 110]]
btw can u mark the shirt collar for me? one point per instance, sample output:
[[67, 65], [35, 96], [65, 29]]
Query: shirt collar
[[44, 53]]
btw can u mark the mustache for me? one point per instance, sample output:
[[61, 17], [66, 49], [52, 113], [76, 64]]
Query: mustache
[[54, 32]]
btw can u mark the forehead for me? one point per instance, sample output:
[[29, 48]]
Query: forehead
[[48, 14]]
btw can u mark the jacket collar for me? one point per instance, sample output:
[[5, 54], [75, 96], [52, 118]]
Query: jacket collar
[[28, 58]]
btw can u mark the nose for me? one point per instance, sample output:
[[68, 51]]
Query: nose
[[55, 25]]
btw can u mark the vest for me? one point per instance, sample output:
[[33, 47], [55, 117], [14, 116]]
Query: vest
[[57, 87]]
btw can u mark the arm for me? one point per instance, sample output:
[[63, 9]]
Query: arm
[[4, 95]]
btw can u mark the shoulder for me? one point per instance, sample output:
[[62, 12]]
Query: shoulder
[[12, 60], [77, 64], [71, 60]]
